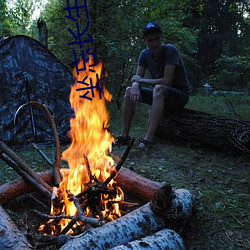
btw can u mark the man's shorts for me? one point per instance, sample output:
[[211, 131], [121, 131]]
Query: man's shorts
[[175, 99]]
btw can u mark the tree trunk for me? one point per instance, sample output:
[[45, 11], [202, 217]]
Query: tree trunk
[[212, 131], [10, 237], [43, 32]]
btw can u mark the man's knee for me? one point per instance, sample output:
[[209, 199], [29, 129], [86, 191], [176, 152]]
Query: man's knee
[[127, 92], [159, 91]]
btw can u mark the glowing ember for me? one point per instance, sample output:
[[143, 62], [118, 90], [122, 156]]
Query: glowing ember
[[87, 157]]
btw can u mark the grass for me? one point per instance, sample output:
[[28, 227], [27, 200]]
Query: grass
[[219, 180]]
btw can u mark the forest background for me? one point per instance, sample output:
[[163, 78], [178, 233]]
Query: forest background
[[212, 36]]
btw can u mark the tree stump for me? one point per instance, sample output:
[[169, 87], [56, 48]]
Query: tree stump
[[212, 131]]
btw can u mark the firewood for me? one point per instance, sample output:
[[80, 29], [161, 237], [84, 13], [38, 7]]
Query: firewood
[[162, 240], [140, 187], [26, 176], [10, 237], [13, 156], [18, 187], [143, 221], [136, 185]]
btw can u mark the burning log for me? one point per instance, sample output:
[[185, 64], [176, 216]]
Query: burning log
[[216, 132], [163, 239], [165, 210], [140, 187], [10, 237]]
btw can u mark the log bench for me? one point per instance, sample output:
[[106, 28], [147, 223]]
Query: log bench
[[211, 131]]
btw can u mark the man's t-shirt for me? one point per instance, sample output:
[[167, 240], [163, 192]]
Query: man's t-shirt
[[171, 56]]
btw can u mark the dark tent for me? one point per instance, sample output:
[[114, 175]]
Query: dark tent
[[29, 71]]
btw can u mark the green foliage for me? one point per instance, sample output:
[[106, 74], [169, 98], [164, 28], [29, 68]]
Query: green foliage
[[233, 72], [212, 36]]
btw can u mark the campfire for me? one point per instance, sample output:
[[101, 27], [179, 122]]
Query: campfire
[[87, 189], [87, 198]]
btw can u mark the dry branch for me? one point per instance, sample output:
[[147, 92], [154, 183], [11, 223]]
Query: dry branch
[[23, 165], [25, 176], [18, 187]]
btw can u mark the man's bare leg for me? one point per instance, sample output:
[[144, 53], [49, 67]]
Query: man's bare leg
[[128, 110], [156, 112]]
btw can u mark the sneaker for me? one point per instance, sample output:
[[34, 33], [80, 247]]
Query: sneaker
[[121, 141]]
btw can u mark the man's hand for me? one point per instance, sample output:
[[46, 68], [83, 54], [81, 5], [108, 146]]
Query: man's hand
[[135, 93], [136, 78]]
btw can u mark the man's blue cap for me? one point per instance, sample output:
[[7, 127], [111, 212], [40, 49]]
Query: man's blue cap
[[150, 26]]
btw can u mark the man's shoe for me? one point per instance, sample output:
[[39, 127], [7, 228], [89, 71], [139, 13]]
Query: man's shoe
[[146, 144], [121, 141]]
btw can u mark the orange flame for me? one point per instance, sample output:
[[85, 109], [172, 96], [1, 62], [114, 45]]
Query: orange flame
[[87, 156]]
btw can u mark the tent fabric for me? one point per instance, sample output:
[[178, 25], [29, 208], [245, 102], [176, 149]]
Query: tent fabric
[[29, 71]]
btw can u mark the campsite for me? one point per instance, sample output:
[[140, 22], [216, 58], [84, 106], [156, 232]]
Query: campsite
[[54, 133]]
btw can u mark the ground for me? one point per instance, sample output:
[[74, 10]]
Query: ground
[[220, 182]]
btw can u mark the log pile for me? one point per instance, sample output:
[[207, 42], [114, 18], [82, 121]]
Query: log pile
[[212, 131], [167, 209]]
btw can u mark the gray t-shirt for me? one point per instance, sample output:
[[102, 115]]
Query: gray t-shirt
[[171, 56]]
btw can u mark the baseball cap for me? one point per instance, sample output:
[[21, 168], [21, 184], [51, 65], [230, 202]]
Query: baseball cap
[[150, 26]]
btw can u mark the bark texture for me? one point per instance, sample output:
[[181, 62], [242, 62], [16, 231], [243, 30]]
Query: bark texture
[[167, 209], [131, 182], [140, 187], [162, 240], [18, 187], [10, 237], [212, 131]]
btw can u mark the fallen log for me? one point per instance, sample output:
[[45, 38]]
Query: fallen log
[[18, 187], [10, 237], [150, 218], [163, 239], [136, 185], [140, 187], [212, 131]]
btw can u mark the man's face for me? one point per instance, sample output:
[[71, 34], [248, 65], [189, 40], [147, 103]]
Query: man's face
[[153, 40]]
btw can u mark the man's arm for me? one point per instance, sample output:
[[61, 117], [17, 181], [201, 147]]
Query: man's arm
[[135, 93], [166, 80]]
